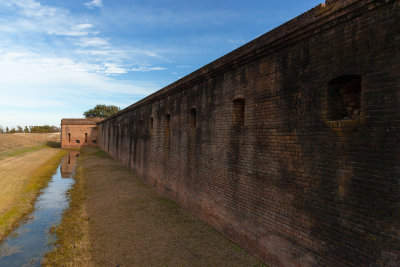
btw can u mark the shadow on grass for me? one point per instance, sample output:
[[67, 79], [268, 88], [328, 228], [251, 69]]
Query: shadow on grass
[[53, 144]]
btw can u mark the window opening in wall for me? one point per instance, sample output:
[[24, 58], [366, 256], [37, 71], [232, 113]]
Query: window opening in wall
[[69, 137], [238, 112], [94, 141], [77, 141], [167, 125], [151, 123], [140, 127], [192, 121], [85, 137], [344, 98]]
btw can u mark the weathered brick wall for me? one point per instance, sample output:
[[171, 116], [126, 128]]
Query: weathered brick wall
[[76, 133], [284, 180]]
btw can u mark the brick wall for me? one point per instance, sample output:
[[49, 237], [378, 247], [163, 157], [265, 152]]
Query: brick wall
[[266, 163], [76, 133]]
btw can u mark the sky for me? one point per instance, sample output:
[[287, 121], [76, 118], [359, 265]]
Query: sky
[[59, 58]]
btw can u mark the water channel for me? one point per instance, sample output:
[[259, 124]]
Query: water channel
[[33, 238]]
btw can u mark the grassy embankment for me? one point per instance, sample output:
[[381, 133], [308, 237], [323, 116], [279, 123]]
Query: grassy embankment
[[115, 219], [27, 162], [21, 143]]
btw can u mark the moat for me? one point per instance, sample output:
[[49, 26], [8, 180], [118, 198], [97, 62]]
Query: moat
[[33, 238]]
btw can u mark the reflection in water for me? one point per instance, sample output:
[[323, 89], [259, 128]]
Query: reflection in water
[[7, 250], [27, 244], [69, 163]]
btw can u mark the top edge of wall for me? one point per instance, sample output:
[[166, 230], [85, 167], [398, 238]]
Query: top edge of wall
[[327, 11], [80, 121]]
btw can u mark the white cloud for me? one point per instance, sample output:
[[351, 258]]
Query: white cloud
[[147, 68], [39, 89], [30, 8], [112, 68], [92, 41], [69, 31], [29, 16], [84, 26], [22, 73], [77, 31], [94, 3], [94, 52], [54, 64]]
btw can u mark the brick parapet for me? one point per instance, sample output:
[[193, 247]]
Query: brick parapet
[[320, 18], [80, 121]]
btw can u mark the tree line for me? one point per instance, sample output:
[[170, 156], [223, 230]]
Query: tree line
[[99, 111], [30, 129]]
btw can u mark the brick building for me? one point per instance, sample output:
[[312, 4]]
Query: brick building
[[78, 132], [290, 144]]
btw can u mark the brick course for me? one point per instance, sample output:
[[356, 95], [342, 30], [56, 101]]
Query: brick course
[[288, 184]]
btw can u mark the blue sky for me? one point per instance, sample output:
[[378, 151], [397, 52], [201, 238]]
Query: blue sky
[[58, 58]]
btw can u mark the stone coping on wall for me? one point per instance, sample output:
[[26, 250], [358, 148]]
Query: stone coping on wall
[[318, 19], [80, 121]]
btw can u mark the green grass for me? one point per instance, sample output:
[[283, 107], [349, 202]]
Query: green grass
[[100, 153]]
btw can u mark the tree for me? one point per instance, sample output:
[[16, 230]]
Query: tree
[[19, 129], [26, 130], [101, 111], [1, 129], [7, 130]]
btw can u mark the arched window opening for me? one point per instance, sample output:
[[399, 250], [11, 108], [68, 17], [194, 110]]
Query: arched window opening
[[238, 112], [344, 98], [192, 121]]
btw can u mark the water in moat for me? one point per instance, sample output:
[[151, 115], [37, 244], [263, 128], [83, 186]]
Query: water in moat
[[33, 238]]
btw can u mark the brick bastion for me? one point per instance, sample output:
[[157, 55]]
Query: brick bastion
[[76, 133], [289, 145]]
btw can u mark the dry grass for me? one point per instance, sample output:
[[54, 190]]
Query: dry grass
[[26, 164], [21, 179], [117, 220], [19, 143]]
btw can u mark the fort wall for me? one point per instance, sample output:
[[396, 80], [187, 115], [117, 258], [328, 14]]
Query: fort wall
[[289, 145], [76, 133]]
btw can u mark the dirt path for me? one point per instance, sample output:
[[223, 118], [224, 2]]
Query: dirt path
[[15, 175], [129, 224]]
